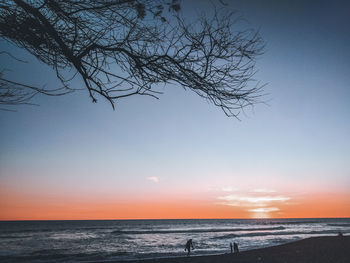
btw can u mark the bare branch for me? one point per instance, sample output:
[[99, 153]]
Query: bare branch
[[121, 48]]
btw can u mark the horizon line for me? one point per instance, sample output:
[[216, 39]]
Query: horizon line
[[135, 219]]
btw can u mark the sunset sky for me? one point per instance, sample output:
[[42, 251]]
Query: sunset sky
[[181, 157]]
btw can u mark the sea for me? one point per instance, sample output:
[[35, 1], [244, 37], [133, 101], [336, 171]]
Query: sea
[[122, 240]]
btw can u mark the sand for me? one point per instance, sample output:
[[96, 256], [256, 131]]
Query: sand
[[311, 250]]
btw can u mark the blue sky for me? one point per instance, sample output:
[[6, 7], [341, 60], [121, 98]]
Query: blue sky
[[301, 139]]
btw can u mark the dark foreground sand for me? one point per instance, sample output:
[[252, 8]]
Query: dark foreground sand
[[310, 250]]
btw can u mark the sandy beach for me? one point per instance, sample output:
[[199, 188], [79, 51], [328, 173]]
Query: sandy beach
[[332, 249]]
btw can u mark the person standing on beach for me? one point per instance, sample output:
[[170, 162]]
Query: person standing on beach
[[189, 244], [235, 247], [231, 246]]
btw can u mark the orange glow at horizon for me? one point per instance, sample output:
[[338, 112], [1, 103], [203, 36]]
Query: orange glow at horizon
[[17, 206]]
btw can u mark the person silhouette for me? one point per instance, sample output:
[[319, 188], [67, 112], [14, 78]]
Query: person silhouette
[[235, 247], [189, 244], [231, 246]]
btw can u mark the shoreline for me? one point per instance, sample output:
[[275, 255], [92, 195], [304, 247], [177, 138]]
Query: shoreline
[[324, 249]]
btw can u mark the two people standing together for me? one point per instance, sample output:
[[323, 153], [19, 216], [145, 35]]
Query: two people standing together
[[234, 247]]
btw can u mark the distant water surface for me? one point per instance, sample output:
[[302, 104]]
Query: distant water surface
[[107, 240]]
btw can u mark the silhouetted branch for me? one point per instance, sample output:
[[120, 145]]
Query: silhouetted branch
[[14, 93], [121, 48]]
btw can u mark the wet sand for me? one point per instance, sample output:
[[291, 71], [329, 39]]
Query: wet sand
[[332, 249]]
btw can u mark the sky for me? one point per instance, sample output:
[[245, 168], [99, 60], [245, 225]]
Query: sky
[[180, 156]]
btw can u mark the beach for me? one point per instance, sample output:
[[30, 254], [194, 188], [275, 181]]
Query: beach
[[326, 249]]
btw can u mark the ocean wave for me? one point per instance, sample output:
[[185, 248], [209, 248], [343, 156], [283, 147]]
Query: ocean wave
[[45, 230], [278, 233], [3, 231], [293, 222], [343, 224], [210, 230], [49, 251], [14, 236]]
